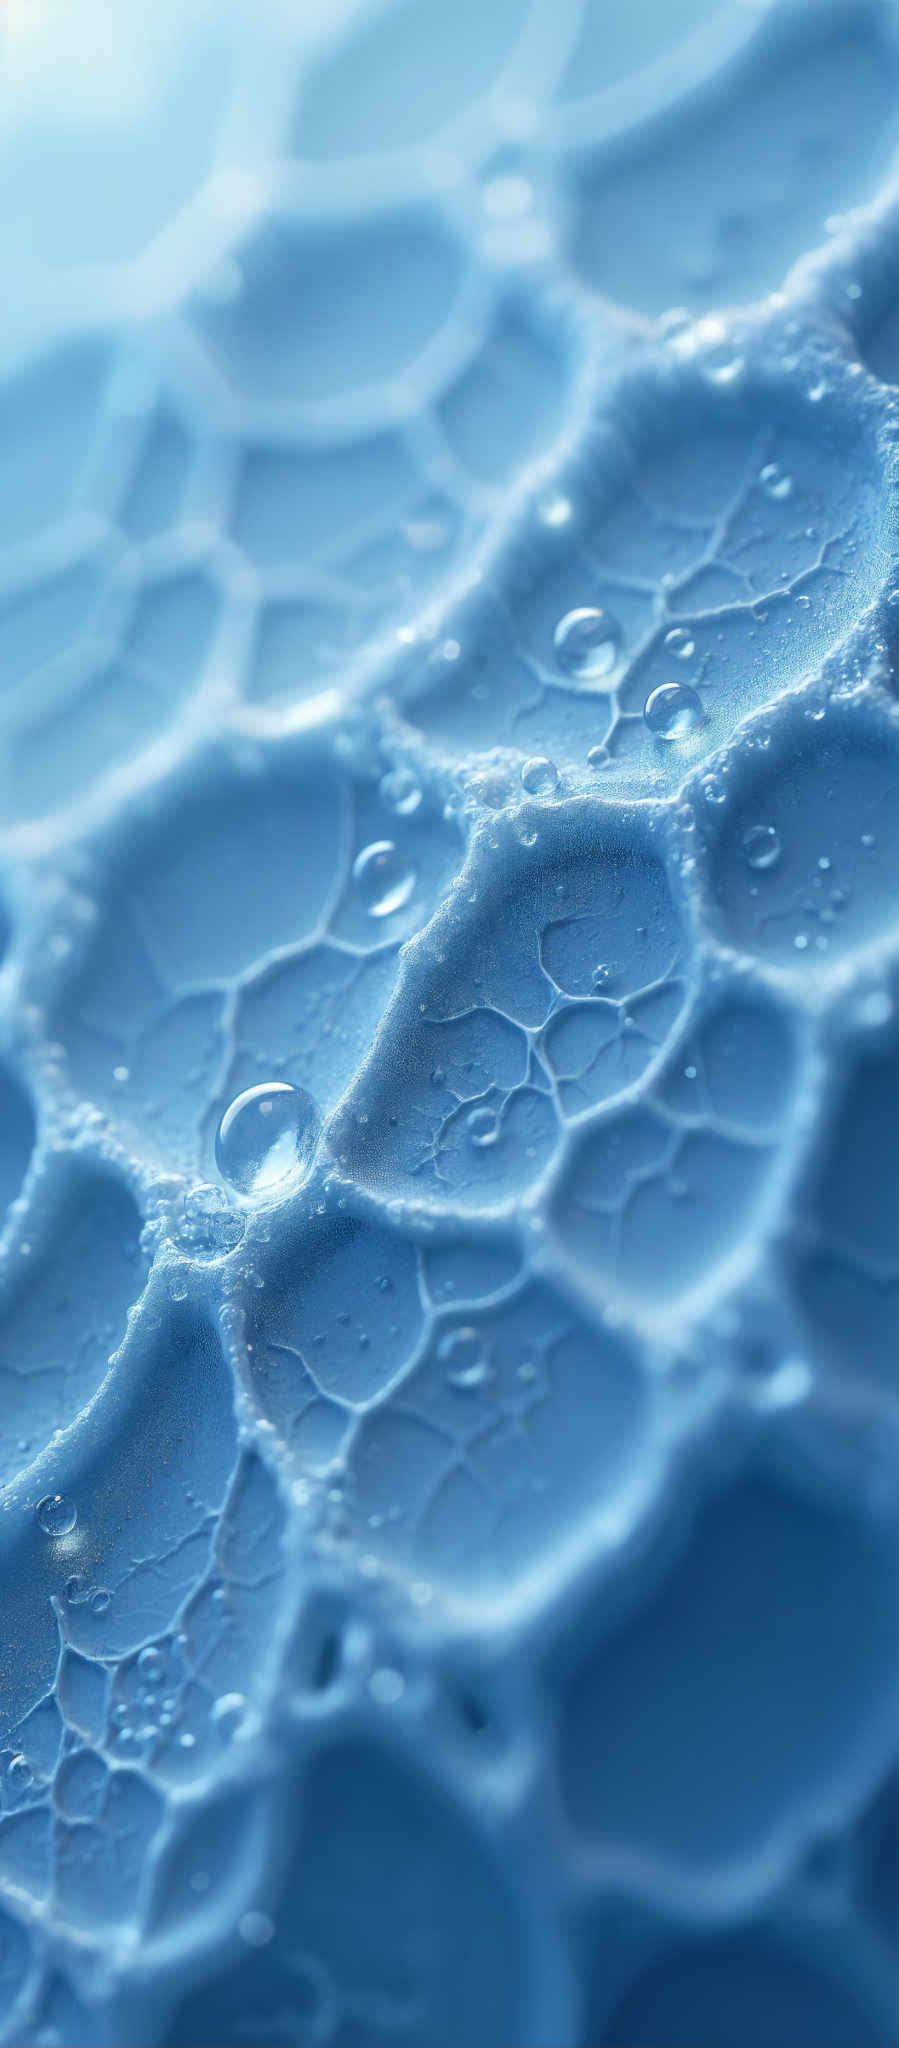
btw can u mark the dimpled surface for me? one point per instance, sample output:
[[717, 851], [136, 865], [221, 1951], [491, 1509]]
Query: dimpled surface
[[450, 1586]]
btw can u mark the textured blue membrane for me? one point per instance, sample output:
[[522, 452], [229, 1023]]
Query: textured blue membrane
[[449, 1057]]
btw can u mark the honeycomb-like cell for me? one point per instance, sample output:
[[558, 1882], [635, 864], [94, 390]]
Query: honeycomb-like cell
[[449, 1058]]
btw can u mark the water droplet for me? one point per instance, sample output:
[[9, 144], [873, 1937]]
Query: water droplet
[[680, 643], [75, 1589], [100, 1600], [400, 790], [587, 643], [385, 878], [598, 757], [267, 1137], [56, 1515], [554, 510], [723, 363], [387, 1686], [539, 776], [672, 712], [483, 1127], [761, 847], [151, 1665], [256, 1929], [229, 1713], [464, 1354], [19, 1775], [774, 481]]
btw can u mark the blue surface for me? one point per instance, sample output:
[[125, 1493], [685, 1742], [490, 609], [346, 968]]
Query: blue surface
[[449, 1059]]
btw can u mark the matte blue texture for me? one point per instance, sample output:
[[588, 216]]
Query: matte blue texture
[[449, 1522]]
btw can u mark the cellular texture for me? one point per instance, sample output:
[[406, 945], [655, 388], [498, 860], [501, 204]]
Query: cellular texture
[[449, 1025]]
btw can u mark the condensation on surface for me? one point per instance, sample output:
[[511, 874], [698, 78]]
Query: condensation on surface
[[449, 1044]]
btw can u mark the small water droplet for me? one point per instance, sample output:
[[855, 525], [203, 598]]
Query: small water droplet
[[539, 776], [384, 877], [483, 1127], [587, 643], [229, 1713], [267, 1137], [774, 481], [598, 757], [680, 643], [151, 1665], [387, 1685], [761, 847], [76, 1589], [256, 1929], [400, 790], [723, 363], [672, 712], [464, 1355], [19, 1775], [56, 1515], [100, 1600]]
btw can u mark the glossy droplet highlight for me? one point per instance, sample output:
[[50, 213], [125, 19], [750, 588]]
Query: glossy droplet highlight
[[672, 712], [483, 1127], [56, 1515], [151, 1665], [761, 847], [401, 791], [19, 1775], [539, 776], [266, 1138], [774, 481], [463, 1354], [587, 643], [680, 643], [384, 878]]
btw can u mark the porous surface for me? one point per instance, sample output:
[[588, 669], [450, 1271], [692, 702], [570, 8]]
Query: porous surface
[[452, 1599]]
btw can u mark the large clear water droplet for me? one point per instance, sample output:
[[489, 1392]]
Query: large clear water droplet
[[672, 712], [266, 1138], [587, 643], [761, 846], [56, 1515], [384, 877]]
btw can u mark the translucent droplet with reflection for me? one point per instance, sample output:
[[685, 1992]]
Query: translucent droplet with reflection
[[483, 1126], [774, 481], [57, 1515], [19, 1775], [761, 847], [672, 712], [384, 878], [151, 1665], [587, 643], [539, 776], [267, 1138], [463, 1355], [680, 642], [401, 790]]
